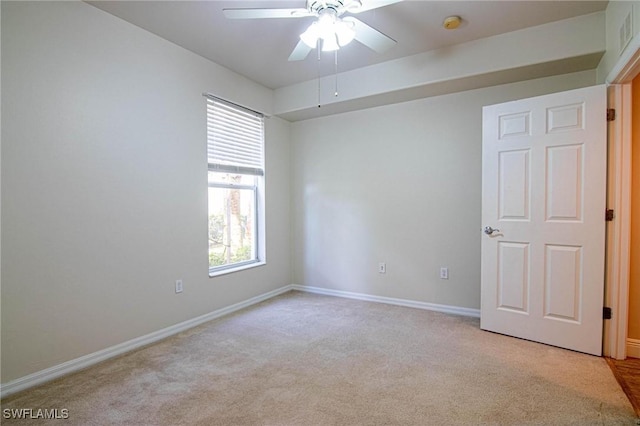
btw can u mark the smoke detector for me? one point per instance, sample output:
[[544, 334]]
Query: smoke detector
[[452, 22]]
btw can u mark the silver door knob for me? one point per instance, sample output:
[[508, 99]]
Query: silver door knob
[[489, 230]]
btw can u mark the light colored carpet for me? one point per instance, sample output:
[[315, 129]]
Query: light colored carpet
[[303, 359]]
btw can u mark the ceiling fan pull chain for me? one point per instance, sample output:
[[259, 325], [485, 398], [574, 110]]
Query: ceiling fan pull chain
[[336, 70], [318, 50]]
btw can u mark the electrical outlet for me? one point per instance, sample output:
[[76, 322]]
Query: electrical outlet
[[382, 268], [178, 286], [444, 273]]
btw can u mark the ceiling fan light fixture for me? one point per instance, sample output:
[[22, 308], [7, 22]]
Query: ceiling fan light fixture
[[329, 44], [311, 35], [345, 32], [326, 23], [333, 31]]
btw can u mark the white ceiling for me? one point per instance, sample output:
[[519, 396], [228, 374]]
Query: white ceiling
[[258, 49]]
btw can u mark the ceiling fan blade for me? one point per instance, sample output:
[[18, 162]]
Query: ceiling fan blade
[[265, 13], [300, 52], [369, 36], [373, 4]]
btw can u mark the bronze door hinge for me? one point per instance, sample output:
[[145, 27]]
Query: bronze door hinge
[[609, 215]]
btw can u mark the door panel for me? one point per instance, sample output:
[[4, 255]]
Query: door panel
[[513, 279], [563, 282], [564, 183], [544, 177], [514, 176]]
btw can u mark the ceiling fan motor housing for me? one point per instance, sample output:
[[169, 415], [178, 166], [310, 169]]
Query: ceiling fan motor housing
[[339, 6]]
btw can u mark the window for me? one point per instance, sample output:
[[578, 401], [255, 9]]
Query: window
[[235, 153]]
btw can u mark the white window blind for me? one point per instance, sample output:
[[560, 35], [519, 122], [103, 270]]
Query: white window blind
[[235, 138]]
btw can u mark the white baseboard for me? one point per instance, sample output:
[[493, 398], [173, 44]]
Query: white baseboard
[[456, 310], [633, 348], [85, 361]]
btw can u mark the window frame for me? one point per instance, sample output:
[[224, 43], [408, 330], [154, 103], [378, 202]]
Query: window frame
[[259, 246], [216, 270]]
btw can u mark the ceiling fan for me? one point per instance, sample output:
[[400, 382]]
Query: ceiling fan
[[331, 29]]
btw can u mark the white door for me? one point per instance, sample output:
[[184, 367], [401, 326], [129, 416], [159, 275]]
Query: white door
[[543, 193]]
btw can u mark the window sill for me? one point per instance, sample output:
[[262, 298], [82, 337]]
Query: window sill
[[232, 269]]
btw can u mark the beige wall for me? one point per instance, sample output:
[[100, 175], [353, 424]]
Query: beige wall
[[399, 184], [634, 285], [104, 185]]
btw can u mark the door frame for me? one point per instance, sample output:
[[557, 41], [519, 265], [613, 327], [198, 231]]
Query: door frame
[[619, 199]]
